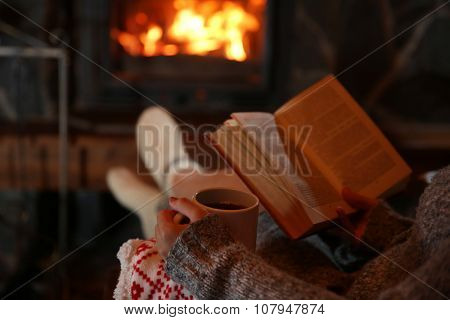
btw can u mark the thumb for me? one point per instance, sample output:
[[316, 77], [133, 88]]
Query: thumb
[[358, 201], [188, 208]]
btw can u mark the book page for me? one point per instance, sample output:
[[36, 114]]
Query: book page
[[255, 170], [311, 188], [345, 144]]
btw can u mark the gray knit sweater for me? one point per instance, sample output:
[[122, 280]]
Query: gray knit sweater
[[406, 259]]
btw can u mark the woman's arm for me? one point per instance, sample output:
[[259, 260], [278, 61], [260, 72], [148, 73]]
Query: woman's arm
[[212, 265]]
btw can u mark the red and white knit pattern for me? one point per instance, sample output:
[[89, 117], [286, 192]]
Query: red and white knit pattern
[[142, 275]]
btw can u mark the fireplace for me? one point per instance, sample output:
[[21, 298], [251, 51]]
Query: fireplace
[[205, 56], [224, 29]]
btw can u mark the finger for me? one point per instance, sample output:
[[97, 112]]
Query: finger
[[344, 219], [165, 218], [177, 218], [358, 201], [180, 219], [362, 223], [159, 243], [188, 208], [157, 234]]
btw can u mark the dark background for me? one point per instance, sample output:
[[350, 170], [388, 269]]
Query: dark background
[[403, 85]]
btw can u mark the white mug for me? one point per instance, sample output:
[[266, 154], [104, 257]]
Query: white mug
[[242, 222]]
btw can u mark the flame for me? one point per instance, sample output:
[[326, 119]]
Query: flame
[[150, 40], [198, 28]]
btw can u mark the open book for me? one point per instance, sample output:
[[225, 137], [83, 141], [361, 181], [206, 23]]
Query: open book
[[298, 160]]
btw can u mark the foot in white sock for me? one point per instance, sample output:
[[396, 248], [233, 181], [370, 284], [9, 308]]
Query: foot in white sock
[[136, 196], [160, 143]]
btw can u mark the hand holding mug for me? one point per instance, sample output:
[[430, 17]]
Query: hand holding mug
[[171, 222]]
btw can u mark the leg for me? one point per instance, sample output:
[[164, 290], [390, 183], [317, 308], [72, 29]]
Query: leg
[[135, 195], [160, 146]]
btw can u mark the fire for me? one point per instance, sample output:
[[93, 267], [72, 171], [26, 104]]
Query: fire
[[198, 28], [150, 39]]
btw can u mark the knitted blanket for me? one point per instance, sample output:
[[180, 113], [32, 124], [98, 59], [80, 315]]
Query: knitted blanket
[[142, 275]]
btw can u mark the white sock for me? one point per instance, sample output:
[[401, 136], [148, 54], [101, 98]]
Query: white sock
[[136, 196], [159, 142]]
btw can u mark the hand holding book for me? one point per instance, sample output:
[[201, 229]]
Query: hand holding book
[[342, 148], [364, 207]]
